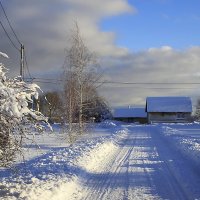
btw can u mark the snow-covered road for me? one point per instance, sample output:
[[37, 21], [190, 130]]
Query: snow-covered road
[[116, 161], [144, 166]]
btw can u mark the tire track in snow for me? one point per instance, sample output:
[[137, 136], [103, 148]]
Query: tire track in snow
[[140, 156], [106, 171], [116, 179], [121, 166], [141, 166]]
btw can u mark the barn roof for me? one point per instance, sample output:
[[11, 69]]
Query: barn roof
[[129, 112], [168, 104]]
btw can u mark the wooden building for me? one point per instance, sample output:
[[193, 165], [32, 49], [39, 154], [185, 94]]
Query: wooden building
[[130, 115], [168, 109]]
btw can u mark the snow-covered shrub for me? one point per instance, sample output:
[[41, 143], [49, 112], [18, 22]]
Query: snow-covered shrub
[[15, 113], [108, 124]]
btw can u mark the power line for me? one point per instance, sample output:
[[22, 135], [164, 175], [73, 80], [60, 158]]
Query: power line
[[23, 57], [31, 79], [56, 81], [10, 24], [48, 79], [130, 83], [149, 83], [127, 83], [11, 41], [9, 36]]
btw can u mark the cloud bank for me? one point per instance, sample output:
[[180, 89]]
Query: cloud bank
[[155, 65], [44, 26]]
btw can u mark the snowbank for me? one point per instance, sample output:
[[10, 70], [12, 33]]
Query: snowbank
[[186, 138], [54, 174]]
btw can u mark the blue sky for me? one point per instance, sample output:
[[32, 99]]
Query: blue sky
[[153, 41], [157, 22]]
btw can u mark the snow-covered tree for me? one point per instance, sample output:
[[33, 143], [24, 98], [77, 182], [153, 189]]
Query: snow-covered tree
[[15, 113]]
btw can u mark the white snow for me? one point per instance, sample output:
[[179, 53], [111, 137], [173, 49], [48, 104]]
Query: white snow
[[169, 104], [129, 112], [3, 55], [15, 95], [114, 161], [186, 138]]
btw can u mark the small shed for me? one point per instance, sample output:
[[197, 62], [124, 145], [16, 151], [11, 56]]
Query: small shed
[[130, 114], [168, 109]]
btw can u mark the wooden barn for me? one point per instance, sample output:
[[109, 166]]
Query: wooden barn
[[168, 109], [130, 114]]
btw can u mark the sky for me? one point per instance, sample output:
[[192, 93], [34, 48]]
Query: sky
[[137, 41]]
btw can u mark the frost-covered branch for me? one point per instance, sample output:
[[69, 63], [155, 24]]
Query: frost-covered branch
[[15, 114]]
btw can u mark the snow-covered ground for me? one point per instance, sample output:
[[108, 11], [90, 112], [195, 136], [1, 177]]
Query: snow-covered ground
[[113, 161]]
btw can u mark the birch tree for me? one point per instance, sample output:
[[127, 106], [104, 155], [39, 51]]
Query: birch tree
[[80, 71]]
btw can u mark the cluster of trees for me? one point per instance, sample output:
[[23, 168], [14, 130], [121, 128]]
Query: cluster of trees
[[77, 104], [78, 101], [81, 101], [52, 104], [80, 79]]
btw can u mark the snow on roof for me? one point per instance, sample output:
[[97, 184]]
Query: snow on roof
[[129, 112], [169, 104]]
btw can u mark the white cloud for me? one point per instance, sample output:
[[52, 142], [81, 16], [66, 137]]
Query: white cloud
[[162, 49], [44, 25], [101, 8], [158, 65]]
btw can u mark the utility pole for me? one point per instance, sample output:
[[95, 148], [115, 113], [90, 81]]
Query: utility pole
[[22, 62]]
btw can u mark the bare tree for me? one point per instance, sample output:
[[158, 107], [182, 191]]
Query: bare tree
[[70, 99], [80, 78], [50, 106]]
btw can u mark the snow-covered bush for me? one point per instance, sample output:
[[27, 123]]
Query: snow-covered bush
[[15, 113]]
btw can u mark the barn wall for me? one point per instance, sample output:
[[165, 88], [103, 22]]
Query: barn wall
[[132, 119], [169, 117]]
